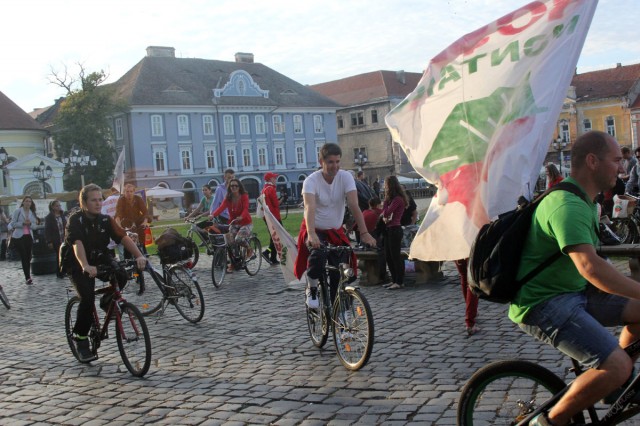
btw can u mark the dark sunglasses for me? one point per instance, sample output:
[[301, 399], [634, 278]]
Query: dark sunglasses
[[234, 186]]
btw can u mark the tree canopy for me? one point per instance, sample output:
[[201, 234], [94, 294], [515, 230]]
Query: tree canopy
[[83, 122]]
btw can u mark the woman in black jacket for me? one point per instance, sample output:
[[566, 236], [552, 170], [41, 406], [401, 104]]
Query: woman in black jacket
[[54, 226]]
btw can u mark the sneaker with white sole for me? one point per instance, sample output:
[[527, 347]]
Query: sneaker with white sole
[[312, 298]]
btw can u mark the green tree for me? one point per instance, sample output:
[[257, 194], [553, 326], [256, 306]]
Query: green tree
[[83, 122]]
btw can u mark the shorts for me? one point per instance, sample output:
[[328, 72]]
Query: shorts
[[574, 323]]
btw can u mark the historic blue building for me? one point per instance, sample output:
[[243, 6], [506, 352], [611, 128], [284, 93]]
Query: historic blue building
[[191, 119]]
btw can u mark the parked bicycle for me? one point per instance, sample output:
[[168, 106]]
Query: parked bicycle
[[243, 253], [131, 330], [348, 317], [4, 299], [512, 392], [628, 228]]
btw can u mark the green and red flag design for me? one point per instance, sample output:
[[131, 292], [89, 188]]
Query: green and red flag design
[[479, 123]]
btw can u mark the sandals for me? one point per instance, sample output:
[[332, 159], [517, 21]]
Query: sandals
[[473, 330], [395, 286]]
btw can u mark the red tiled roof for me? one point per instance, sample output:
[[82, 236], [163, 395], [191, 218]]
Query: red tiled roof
[[609, 83], [12, 117], [368, 86]]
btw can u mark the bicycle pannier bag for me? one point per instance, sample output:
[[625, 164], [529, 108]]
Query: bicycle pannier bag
[[496, 252], [173, 247]]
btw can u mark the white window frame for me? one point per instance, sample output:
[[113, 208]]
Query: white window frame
[[247, 157], [318, 124], [157, 125], [159, 153], [584, 125], [563, 131], [213, 149], [207, 125], [301, 155], [263, 157], [298, 126], [186, 155], [230, 156], [278, 124], [261, 128], [182, 121], [318, 148], [279, 156], [227, 120], [244, 125], [610, 128], [119, 133]]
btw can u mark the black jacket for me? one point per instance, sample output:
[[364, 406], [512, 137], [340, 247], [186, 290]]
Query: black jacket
[[51, 233]]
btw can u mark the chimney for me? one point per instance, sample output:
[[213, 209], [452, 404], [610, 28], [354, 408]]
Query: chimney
[[246, 58], [161, 52], [619, 65], [400, 77]]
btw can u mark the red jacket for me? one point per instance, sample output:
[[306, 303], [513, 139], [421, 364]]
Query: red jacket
[[271, 198], [239, 209]]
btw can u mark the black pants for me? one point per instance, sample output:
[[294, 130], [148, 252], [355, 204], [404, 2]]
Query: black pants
[[317, 261], [3, 250], [23, 246], [392, 250]]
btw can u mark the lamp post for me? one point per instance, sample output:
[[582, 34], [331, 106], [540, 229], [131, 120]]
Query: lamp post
[[559, 144], [80, 160], [43, 174], [4, 161], [360, 159]]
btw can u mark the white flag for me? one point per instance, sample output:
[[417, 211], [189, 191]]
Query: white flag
[[286, 245], [479, 123], [118, 173]]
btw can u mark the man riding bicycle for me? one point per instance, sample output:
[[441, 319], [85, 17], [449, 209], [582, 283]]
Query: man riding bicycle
[[89, 232], [324, 193], [569, 303]]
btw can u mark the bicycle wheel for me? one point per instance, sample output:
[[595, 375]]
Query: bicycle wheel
[[4, 299], [196, 253], [218, 266], [353, 332], [317, 320], [185, 293], [506, 392], [252, 265], [150, 301], [70, 315], [625, 229], [133, 340]]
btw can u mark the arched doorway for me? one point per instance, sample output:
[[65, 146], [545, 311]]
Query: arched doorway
[[252, 186], [34, 189], [190, 194]]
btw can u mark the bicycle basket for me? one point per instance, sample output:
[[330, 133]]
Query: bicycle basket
[[217, 239], [175, 252]]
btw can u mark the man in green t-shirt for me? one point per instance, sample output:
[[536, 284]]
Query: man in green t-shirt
[[558, 306]]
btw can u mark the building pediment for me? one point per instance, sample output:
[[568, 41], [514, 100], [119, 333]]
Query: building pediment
[[33, 160], [241, 84]]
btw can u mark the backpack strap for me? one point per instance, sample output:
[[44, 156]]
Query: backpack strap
[[562, 186]]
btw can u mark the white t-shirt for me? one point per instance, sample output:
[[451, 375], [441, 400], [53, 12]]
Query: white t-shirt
[[330, 198]]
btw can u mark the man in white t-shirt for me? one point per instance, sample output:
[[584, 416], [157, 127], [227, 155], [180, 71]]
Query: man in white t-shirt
[[325, 193]]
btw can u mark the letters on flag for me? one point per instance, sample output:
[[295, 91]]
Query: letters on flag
[[479, 123]]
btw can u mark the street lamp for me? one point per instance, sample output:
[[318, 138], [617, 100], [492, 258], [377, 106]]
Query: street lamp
[[43, 174], [360, 159], [559, 144], [80, 159], [4, 160]]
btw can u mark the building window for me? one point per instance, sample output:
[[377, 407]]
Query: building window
[[297, 124], [586, 125], [231, 157], [228, 124], [246, 157], [300, 157], [260, 127], [611, 126], [374, 115], [244, 125], [340, 122], [564, 131], [160, 161], [156, 126], [318, 148], [186, 164], [278, 153], [207, 125], [119, 134], [318, 125], [183, 125], [210, 158], [278, 125], [262, 156], [357, 119]]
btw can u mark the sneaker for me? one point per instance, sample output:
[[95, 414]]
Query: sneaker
[[312, 298], [29, 281], [266, 256], [473, 330], [274, 262], [540, 420], [84, 351]]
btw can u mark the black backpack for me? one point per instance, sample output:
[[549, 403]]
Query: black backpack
[[496, 252]]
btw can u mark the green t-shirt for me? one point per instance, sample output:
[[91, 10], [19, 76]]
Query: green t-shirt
[[562, 219]]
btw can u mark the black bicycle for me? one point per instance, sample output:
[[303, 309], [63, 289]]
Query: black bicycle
[[349, 317], [512, 392], [239, 254], [4, 299], [131, 330]]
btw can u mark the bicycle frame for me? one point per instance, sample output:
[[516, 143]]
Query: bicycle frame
[[114, 307]]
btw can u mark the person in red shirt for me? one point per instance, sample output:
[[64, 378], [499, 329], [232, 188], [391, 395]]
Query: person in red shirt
[[553, 175], [372, 214], [240, 224], [271, 200]]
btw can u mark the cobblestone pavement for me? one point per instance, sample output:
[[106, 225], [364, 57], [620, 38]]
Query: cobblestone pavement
[[250, 360]]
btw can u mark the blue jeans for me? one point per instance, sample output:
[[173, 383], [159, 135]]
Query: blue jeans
[[574, 323]]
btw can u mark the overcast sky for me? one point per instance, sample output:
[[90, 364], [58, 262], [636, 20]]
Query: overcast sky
[[309, 41]]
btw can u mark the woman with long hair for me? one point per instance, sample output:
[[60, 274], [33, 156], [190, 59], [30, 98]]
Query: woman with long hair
[[23, 220], [240, 223], [54, 226], [553, 175], [395, 201]]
